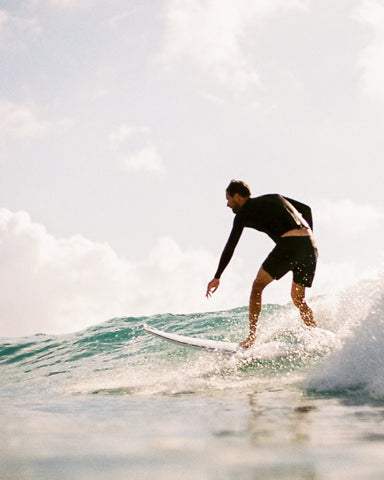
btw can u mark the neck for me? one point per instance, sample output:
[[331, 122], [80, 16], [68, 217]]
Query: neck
[[242, 200]]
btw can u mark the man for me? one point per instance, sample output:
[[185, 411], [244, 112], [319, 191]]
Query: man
[[289, 224]]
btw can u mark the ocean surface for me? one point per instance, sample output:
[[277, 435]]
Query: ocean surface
[[115, 402]]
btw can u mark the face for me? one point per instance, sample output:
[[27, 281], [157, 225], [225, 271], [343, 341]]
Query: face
[[232, 202]]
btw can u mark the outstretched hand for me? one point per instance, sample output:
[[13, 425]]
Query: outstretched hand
[[213, 285]]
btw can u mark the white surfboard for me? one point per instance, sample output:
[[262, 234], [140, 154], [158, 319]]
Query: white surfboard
[[213, 345]]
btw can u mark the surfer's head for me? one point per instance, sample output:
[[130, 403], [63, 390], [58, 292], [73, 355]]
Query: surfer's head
[[237, 194], [237, 186]]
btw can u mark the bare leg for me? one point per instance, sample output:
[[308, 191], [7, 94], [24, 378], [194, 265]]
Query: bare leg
[[262, 280], [298, 297]]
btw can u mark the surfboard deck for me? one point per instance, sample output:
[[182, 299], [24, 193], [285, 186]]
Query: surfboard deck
[[203, 343]]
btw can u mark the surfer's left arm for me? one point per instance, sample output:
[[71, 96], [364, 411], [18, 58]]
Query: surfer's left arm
[[304, 210]]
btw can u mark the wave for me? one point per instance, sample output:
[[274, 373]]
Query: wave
[[358, 364], [345, 353]]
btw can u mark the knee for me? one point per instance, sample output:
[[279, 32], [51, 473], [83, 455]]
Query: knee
[[262, 279], [257, 288]]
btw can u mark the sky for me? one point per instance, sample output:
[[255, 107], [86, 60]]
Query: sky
[[122, 123]]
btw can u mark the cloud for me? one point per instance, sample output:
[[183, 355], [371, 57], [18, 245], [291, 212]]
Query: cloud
[[116, 21], [370, 13], [19, 121], [124, 132], [348, 235], [58, 285], [4, 17], [146, 159], [71, 4], [63, 4], [12, 27], [344, 217], [211, 35]]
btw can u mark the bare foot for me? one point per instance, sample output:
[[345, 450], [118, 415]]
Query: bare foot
[[248, 343]]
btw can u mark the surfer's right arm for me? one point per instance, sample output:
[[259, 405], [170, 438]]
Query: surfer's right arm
[[226, 256], [213, 285]]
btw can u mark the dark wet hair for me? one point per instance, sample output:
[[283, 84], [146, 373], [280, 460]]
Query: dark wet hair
[[237, 186]]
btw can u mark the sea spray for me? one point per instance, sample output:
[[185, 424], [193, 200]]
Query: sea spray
[[114, 397], [119, 356], [358, 364]]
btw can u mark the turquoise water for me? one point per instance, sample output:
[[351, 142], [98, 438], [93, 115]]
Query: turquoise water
[[116, 402]]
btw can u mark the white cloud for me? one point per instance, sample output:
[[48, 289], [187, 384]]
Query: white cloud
[[370, 13], [117, 20], [4, 17], [348, 235], [63, 4], [146, 159], [21, 121], [71, 4], [57, 285], [124, 132], [211, 35], [346, 218], [12, 29]]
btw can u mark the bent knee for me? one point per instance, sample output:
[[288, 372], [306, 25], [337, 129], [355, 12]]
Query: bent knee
[[261, 281], [258, 286]]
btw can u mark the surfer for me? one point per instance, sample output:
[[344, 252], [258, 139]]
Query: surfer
[[289, 224]]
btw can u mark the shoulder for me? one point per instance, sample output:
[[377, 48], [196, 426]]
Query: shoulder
[[265, 199]]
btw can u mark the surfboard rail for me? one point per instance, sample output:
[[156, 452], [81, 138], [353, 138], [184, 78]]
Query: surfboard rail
[[203, 343]]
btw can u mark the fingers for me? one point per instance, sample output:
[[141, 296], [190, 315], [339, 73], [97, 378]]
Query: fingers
[[210, 291], [212, 287]]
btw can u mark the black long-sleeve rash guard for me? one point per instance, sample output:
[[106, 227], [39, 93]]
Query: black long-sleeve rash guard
[[272, 214]]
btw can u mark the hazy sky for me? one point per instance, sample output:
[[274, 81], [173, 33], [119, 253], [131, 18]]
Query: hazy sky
[[122, 122]]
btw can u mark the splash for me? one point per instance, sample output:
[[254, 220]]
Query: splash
[[358, 364], [345, 353]]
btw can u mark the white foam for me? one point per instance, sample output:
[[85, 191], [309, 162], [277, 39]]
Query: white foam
[[359, 362]]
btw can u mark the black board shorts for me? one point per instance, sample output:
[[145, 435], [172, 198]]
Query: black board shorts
[[296, 254]]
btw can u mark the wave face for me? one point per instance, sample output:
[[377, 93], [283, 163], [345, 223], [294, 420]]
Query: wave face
[[115, 400], [118, 357], [346, 352]]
